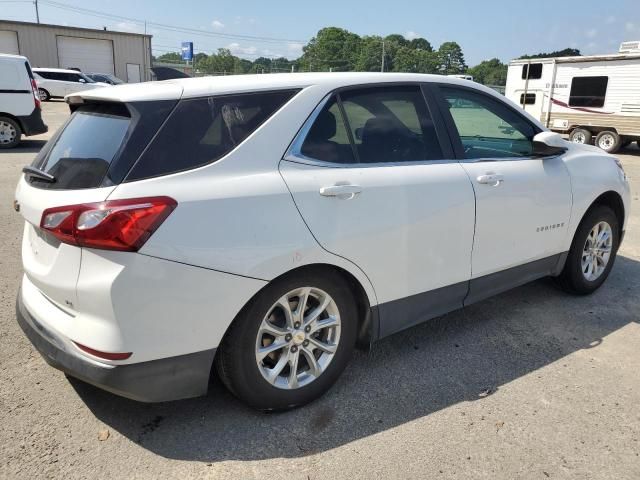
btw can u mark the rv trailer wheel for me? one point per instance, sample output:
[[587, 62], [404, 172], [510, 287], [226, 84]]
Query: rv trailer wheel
[[580, 135], [609, 141]]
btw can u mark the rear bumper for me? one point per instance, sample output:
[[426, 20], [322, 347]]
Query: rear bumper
[[33, 124], [161, 380]]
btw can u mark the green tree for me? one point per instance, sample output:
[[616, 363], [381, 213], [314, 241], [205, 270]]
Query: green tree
[[331, 48], [415, 61], [171, 57], [370, 54], [567, 52], [490, 72], [421, 44], [451, 59]]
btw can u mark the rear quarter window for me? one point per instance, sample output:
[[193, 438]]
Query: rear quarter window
[[203, 130]]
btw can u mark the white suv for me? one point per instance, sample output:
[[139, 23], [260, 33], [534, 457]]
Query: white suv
[[267, 224], [58, 82]]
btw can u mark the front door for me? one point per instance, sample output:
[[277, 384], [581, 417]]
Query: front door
[[371, 180], [523, 203]]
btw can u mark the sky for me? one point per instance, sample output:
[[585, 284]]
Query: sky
[[485, 29]]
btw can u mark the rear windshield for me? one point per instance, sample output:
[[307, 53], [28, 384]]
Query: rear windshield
[[82, 154], [203, 130]]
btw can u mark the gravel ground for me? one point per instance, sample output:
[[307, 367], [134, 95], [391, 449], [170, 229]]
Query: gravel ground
[[530, 384]]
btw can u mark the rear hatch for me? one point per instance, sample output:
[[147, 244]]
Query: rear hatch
[[86, 159]]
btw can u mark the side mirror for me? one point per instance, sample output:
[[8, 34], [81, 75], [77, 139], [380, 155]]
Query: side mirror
[[547, 144], [82, 80], [358, 133]]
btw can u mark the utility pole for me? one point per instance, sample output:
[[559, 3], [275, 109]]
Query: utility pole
[[37, 13], [382, 62]]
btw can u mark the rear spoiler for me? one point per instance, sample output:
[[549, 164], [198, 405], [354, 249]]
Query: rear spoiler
[[129, 92]]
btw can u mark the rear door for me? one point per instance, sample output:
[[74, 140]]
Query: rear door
[[376, 184]]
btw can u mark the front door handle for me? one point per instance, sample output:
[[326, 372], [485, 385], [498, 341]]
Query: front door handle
[[343, 192], [493, 179]]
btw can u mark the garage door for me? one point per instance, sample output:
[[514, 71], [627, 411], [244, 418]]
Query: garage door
[[9, 42], [88, 54]]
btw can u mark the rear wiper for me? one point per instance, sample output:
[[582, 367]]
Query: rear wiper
[[39, 174]]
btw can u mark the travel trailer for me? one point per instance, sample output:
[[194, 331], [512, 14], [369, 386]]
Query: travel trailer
[[590, 98]]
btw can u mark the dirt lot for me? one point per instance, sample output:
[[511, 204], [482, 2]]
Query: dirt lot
[[531, 384]]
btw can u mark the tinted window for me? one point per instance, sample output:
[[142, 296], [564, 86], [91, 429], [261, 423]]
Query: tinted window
[[70, 77], [83, 152], [390, 124], [528, 99], [203, 130], [46, 75], [487, 127], [328, 139], [534, 71], [588, 91]]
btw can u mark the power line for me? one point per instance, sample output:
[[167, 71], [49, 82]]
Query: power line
[[163, 26]]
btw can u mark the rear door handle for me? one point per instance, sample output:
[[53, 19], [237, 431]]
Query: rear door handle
[[343, 192], [493, 179]]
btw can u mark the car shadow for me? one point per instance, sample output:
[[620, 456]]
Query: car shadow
[[26, 146], [461, 357]]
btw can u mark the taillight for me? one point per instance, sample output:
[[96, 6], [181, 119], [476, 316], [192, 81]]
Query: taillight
[[112, 225], [36, 97]]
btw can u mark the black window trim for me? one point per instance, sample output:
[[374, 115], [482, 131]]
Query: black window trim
[[294, 151], [453, 130]]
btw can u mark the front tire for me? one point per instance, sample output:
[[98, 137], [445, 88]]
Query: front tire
[[10, 132], [609, 141], [291, 342], [593, 252]]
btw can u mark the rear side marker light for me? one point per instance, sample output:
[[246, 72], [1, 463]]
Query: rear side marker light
[[123, 225], [103, 355]]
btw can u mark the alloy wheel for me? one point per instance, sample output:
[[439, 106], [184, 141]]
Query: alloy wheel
[[298, 338], [597, 251]]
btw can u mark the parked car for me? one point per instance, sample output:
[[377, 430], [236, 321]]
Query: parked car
[[20, 112], [265, 225], [58, 82], [105, 78]]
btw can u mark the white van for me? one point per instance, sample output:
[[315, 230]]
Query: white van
[[58, 82], [20, 112]]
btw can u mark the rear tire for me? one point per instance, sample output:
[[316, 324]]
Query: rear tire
[[266, 381], [587, 266], [10, 132], [44, 95], [609, 141], [580, 135]]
